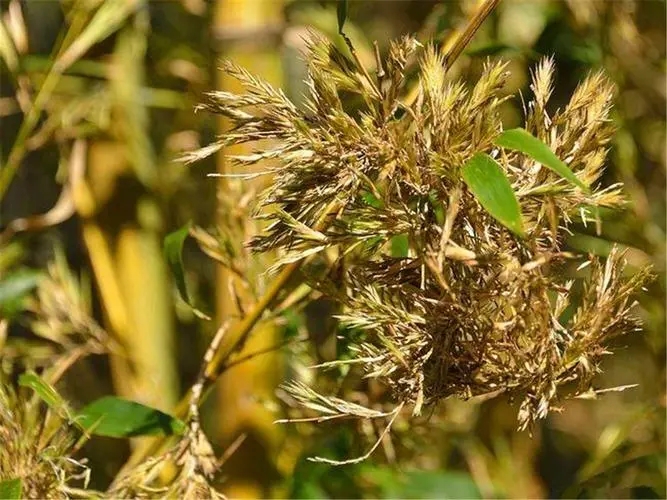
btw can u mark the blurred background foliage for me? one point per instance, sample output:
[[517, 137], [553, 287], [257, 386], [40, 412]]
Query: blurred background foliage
[[93, 114]]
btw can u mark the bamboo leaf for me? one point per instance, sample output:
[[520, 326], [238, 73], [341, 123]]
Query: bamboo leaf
[[45, 391], [109, 17], [487, 181], [341, 12], [173, 252], [115, 417], [11, 489], [518, 139]]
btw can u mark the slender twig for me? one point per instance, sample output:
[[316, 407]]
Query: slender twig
[[217, 364], [259, 352], [243, 329], [231, 449], [363, 457], [198, 387]]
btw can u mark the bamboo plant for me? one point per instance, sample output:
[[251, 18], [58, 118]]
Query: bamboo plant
[[439, 232], [452, 228]]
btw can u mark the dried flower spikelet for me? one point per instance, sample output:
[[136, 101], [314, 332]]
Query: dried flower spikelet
[[195, 466], [36, 448], [450, 302], [63, 311]]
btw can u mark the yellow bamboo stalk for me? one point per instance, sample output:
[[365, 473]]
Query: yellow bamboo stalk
[[248, 324], [122, 232], [244, 29], [126, 259]]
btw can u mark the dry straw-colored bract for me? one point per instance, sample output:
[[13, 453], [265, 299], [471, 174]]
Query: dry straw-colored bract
[[465, 307], [38, 448]]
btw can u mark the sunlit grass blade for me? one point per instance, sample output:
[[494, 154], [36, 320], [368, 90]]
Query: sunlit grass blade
[[45, 391], [518, 139], [487, 181], [109, 17]]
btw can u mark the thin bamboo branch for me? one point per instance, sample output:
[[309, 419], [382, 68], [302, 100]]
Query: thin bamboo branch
[[216, 366]]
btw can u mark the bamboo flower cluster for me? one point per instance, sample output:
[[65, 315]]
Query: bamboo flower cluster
[[451, 301]]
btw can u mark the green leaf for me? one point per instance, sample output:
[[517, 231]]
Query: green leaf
[[109, 17], [11, 489], [518, 139], [114, 417], [173, 252], [487, 181], [400, 245], [341, 12], [14, 288], [44, 390]]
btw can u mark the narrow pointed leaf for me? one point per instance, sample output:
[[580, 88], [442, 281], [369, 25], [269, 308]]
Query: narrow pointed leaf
[[115, 417], [11, 489], [109, 17], [173, 252], [341, 12], [518, 139], [44, 390], [487, 181]]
